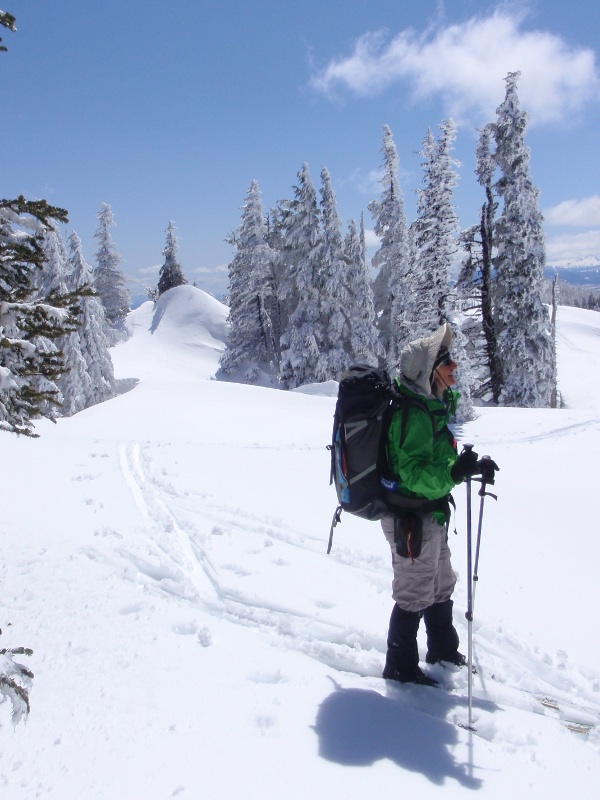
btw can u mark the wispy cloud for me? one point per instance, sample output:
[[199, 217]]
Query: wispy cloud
[[464, 64], [209, 270], [575, 213], [574, 248]]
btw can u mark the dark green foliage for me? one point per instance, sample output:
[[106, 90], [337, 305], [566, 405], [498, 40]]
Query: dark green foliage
[[171, 274], [29, 324], [8, 21]]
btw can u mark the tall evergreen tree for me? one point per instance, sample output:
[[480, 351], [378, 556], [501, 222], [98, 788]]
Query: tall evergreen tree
[[30, 361], [435, 247], [251, 346], [171, 274], [303, 282], [365, 345], [53, 277], [522, 323], [279, 309], [392, 288], [90, 378], [335, 298], [476, 280], [485, 176], [435, 229], [109, 281]]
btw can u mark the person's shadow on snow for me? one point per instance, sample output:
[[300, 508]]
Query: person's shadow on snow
[[357, 727]]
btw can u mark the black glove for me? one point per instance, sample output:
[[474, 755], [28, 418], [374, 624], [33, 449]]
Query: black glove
[[487, 469], [465, 466]]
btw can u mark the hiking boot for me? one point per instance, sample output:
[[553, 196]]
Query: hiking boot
[[416, 675], [456, 658]]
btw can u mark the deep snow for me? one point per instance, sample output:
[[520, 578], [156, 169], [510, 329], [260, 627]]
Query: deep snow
[[164, 557]]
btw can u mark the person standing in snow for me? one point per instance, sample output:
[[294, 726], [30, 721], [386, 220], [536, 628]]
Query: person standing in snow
[[425, 467]]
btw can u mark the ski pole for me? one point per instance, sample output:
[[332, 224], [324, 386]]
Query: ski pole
[[469, 613], [488, 470]]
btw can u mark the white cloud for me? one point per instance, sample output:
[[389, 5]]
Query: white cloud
[[150, 270], [210, 270], [367, 184], [574, 249], [575, 213], [465, 65]]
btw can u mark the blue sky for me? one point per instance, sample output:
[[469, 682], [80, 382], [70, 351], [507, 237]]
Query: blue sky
[[169, 110]]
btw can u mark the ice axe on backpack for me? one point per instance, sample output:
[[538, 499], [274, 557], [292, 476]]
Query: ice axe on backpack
[[487, 470]]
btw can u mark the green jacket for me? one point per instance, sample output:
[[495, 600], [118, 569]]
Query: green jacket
[[421, 449]]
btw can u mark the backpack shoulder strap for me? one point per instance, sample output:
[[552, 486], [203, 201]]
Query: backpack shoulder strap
[[402, 403]]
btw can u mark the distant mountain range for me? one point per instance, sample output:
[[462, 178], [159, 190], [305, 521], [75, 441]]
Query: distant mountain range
[[580, 276]]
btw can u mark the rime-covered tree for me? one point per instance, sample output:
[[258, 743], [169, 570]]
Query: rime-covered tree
[[337, 294], [435, 229], [30, 325], [170, 274], [53, 277], [475, 284], [485, 175], [109, 281], [434, 250], [365, 346], [464, 376], [522, 323], [251, 346], [90, 378], [279, 309], [302, 286], [392, 288]]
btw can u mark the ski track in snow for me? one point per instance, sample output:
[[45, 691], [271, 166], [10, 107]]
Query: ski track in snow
[[184, 569], [179, 532], [562, 430]]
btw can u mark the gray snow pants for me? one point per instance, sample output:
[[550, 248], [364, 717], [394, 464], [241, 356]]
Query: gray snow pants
[[428, 579]]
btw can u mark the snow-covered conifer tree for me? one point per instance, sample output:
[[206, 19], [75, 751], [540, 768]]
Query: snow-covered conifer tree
[[30, 361], [171, 274], [335, 297], [435, 234], [251, 346], [464, 376], [476, 281], [90, 378], [365, 345], [278, 308], [303, 282], [435, 229], [522, 321], [53, 277], [392, 288], [109, 281]]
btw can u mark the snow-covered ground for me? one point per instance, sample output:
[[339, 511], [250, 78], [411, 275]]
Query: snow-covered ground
[[163, 554]]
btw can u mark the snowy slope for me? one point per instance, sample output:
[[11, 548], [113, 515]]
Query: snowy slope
[[164, 557]]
